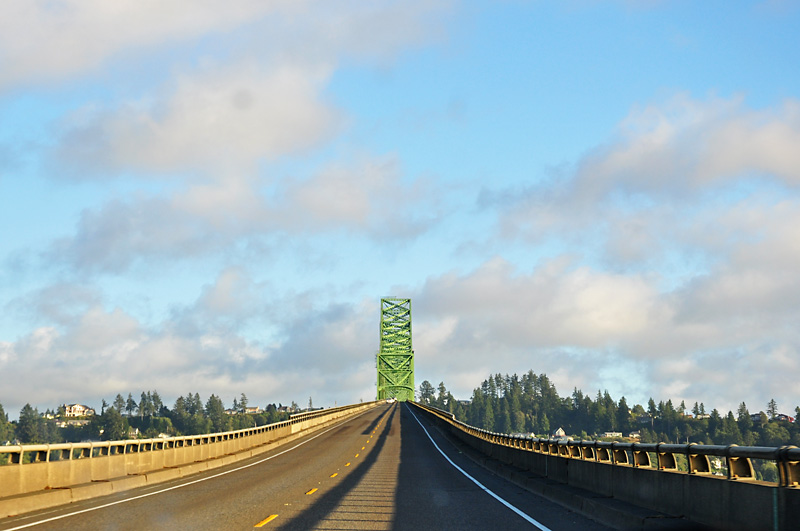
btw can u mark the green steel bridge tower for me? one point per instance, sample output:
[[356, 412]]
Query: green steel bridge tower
[[395, 360]]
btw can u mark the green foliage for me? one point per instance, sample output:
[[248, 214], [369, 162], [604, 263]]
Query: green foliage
[[28, 425], [114, 426], [4, 427], [426, 392], [531, 404]]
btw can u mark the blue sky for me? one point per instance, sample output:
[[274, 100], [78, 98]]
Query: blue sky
[[213, 198]]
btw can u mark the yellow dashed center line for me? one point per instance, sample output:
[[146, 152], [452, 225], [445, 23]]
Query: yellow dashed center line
[[356, 455], [266, 520], [334, 474], [363, 447], [347, 464], [312, 491]]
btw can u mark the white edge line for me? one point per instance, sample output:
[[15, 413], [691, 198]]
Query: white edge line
[[478, 483], [90, 509]]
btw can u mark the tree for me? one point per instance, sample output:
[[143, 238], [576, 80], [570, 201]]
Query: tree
[[157, 403], [143, 405], [130, 405], [103, 406], [119, 403], [215, 411], [426, 392], [440, 401], [28, 425], [488, 416], [243, 403], [743, 419], [623, 416], [114, 426], [772, 409], [4, 431]]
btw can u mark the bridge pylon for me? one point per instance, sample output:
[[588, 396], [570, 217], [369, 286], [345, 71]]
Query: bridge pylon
[[395, 359]]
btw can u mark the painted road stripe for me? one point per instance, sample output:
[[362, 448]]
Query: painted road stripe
[[266, 520], [334, 474], [126, 500], [363, 447], [356, 455], [347, 464], [478, 483], [312, 491]]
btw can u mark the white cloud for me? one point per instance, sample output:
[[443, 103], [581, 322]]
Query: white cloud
[[44, 41], [686, 144], [323, 352], [716, 340], [206, 123], [365, 198]]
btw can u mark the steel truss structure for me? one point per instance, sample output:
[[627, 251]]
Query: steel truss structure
[[395, 359]]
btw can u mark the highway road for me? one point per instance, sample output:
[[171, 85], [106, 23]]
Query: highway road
[[388, 468]]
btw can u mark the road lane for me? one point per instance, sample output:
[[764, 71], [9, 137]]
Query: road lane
[[377, 471]]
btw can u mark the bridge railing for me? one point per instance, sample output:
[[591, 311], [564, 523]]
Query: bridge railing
[[33, 467], [737, 458], [736, 500]]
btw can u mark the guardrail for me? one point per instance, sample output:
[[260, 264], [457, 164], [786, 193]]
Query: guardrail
[[36, 467], [626, 471]]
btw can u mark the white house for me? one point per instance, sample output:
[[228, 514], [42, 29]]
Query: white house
[[77, 410]]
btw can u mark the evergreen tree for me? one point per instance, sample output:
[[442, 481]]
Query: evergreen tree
[[119, 403], [28, 425], [143, 405], [623, 416], [115, 427], [426, 392], [743, 418], [4, 431], [130, 405], [156, 403], [488, 416], [215, 411], [772, 409]]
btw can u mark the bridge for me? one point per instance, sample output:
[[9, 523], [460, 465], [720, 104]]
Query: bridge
[[390, 464]]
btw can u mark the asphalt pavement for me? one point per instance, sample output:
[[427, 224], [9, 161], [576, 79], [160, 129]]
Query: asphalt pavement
[[387, 468]]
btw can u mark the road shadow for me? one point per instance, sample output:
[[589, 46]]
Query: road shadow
[[318, 512]]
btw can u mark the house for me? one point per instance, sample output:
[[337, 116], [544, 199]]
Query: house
[[635, 435], [701, 416], [252, 410], [610, 434], [781, 416], [77, 410]]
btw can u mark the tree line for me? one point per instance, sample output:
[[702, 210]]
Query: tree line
[[146, 418], [531, 404]]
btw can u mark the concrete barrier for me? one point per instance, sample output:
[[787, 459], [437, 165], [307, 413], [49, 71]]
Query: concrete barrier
[[624, 471], [63, 473]]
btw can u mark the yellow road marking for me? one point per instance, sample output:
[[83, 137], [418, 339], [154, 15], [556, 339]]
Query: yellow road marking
[[356, 455], [266, 520], [363, 447], [334, 474], [347, 464], [312, 491]]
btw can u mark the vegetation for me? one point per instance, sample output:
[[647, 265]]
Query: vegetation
[[148, 418], [531, 404]]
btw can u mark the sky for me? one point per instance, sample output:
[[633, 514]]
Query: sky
[[212, 197]]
